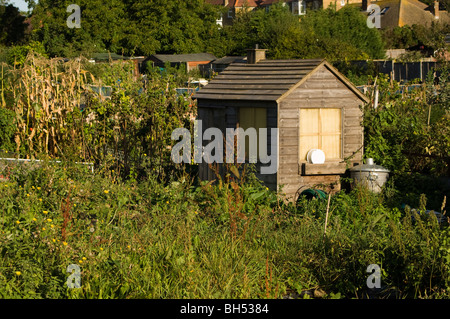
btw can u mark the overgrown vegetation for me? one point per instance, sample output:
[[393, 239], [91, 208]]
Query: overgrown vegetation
[[59, 113], [140, 226], [227, 240]]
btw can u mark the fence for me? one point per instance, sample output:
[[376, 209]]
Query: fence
[[401, 71]]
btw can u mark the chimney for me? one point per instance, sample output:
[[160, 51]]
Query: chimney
[[436, 9], [255, 55], [365, 4]]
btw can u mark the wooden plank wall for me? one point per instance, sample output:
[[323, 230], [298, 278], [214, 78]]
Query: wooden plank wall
[[322, 89]]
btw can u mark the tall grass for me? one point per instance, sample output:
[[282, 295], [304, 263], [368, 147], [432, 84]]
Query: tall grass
[[182, 240]]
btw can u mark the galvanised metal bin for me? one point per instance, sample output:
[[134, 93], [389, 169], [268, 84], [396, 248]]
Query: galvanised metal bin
[[372, 175]]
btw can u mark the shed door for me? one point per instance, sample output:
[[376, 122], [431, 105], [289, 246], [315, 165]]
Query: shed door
[[320, 128], [255, 117]]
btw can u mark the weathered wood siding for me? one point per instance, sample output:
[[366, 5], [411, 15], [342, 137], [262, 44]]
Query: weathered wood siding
[[225, 114], [322, 89]]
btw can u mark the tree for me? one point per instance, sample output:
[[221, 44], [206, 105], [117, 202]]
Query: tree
[[103, 27], [408, 36], [16, 55], [345, 32], [12, 26], [128, 27], [319, 34]]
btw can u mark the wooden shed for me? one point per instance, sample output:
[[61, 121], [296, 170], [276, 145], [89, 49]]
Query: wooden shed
[[309, 101], [191, 61]]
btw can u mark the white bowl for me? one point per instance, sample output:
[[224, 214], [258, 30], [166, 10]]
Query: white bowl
[[315, 156]]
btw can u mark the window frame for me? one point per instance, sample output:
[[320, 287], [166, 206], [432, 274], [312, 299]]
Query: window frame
[[341, 149]]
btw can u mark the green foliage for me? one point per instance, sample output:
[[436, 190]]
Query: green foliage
[[18, 54], [144, 28], [128, 27], [143, 227], [409, 130], [233, 239], [326, 34], [346, 28], [408, 36], [356, 74]]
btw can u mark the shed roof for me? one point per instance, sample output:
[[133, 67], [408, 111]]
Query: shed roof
[[107, 56], [193, 57], [230, 59], [267, 80]]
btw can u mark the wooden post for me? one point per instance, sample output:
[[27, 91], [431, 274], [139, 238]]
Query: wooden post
[[376, 97], [326, 215]]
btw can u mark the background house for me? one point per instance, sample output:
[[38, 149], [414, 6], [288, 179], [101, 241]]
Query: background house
[[297, 7], [234, 6], [221, 64], [398, 13], [309, 101], [393, 12]]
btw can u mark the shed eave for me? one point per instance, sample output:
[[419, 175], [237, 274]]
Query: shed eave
[[336, 73], [347, 82]]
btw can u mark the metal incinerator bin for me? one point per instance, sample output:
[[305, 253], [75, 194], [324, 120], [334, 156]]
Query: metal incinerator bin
[[370, 174]]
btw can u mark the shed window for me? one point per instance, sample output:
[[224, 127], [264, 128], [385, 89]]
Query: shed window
[[320, 128], [252, 117]]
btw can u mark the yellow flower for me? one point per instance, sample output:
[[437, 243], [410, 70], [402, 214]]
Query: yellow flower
[[84, 258], [64, 243], [40, 199], [49, 220], [38, 188], [80, 261], [101, 249], [32, 187], [34, 219], [106, 191], [28, 195], [54, 240], [52, 226], [128, 246], [43, 228], [18, 273], [18, 222], [45, 212]]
